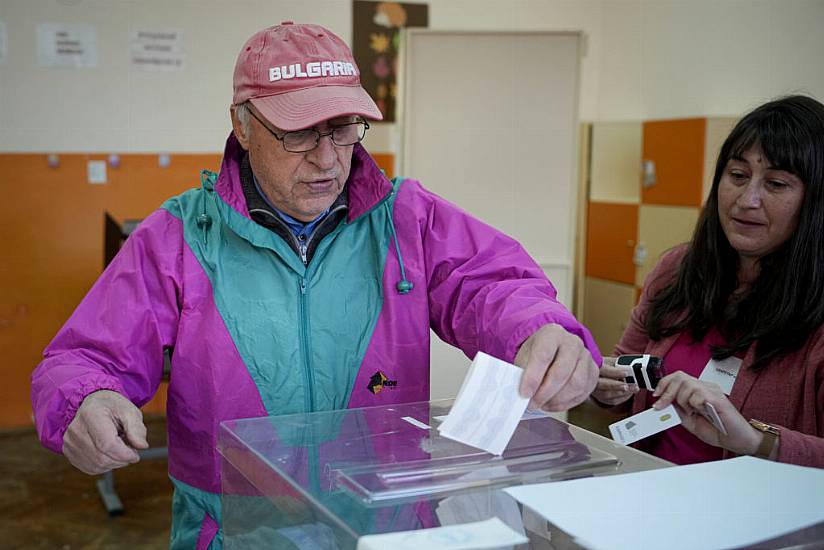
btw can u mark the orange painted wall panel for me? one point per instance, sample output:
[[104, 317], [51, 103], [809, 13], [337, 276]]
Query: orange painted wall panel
[[51, 237], [677, 148], [611, 234]]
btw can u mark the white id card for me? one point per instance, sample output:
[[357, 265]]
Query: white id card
[[723, 373], [644, 424]]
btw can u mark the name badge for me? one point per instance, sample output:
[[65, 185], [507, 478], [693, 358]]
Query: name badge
[[723, 372]]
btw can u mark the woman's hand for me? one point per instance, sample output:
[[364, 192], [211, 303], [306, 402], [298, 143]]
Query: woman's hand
[[690, 395], [611, 388]]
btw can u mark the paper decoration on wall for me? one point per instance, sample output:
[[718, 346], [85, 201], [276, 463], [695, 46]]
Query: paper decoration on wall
[[4, 43], [114, 160], [53, 160], [375, 35], [66, 45], [157, 50], [164, 160]]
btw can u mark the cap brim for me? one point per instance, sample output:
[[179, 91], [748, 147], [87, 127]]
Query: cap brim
[[300, 109]]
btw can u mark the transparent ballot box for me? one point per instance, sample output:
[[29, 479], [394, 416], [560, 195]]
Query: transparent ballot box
[[324, 479]]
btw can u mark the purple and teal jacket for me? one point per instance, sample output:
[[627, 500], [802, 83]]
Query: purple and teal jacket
[[253, 331]]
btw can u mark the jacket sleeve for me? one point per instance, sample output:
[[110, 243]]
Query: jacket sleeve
[[800, 448], [807, 449], [115, 338], [484, 291]]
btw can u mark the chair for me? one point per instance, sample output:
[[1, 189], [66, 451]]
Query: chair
[[113, 238]]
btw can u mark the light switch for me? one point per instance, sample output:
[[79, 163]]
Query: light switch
[[97, 171]]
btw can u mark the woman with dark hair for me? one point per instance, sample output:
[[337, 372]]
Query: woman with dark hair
[[738, 313]]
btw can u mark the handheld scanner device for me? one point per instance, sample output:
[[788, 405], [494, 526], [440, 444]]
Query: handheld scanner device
[[643, 370]]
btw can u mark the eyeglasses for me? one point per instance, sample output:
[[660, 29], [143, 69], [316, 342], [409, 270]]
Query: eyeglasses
[[302, 141]]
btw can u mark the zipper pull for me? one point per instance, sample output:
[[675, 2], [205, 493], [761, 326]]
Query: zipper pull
[[303, 248], [303, 286]]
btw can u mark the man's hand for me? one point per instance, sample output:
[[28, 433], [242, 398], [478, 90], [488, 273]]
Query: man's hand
[[559, 372], [104, 433]]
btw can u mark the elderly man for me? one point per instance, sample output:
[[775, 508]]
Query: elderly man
[[287, 283]]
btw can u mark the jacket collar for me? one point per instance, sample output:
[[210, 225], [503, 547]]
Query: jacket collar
[[366, 186], [258, 207]]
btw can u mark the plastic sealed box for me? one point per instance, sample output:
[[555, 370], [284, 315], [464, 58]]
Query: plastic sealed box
[[324, 479]]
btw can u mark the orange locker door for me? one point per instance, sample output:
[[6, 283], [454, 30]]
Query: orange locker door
[[611, 234], [676, 149]]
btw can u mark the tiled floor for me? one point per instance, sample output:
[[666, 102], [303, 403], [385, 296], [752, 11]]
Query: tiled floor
[[46, 503]]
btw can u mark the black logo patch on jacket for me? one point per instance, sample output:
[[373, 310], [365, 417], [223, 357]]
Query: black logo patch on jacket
[[378, 381]]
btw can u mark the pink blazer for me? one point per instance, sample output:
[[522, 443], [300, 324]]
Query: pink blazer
[[788, 393]]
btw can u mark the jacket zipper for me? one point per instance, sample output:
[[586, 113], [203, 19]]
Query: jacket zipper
[[288, 232], [309, 399], [301, 247], [304, 247]]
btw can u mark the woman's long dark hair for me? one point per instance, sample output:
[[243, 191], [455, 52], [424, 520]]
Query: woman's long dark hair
[[786, 302]]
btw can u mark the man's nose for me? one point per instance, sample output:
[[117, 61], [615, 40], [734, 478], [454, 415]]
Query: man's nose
[[323, 156]]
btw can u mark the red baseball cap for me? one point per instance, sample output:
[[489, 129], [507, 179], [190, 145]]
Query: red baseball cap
[[299, 75]]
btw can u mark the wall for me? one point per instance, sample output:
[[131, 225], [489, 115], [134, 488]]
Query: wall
[[52, 239], [675, 59], [117, 108], [641, 61]]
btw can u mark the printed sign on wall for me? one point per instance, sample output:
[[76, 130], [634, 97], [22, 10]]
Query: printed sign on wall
[[375, 36], [157, 50], [66, 45]]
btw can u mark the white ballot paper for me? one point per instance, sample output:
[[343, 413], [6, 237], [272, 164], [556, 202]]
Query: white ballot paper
[[490, 533], [464, 508], [488, 406], [721, 504]]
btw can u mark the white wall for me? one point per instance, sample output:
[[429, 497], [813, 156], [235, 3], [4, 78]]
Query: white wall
[[668, 59], [116, 108], [642, 59]]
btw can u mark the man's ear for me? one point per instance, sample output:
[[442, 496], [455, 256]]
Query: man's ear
[[238, 129]]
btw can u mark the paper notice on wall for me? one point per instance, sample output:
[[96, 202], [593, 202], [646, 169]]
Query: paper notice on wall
[[96, 172], [66, 45], [4, 43], [157, 50]]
